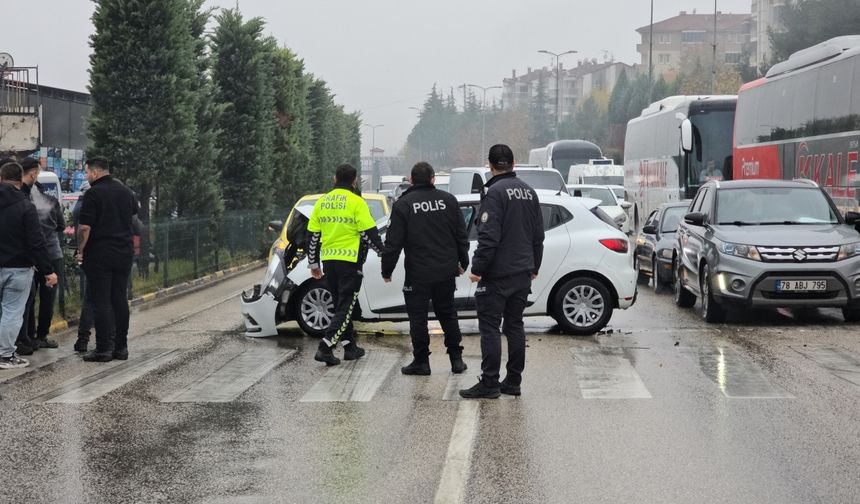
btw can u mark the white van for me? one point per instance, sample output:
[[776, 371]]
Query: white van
[[470, 180]]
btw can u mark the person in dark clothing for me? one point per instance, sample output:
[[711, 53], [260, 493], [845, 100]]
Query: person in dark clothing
[[85, 321], [507, 259], [342, 229], [106, 252], [427, 224], [22, 245], [52, 222]]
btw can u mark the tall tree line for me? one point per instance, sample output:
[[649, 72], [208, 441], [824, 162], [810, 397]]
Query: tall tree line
[[200, 112]]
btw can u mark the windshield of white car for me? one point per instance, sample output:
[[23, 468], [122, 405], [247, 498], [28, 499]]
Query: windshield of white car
[[671, 218], [442, 187], [763, 206], [599, 193], [542, 179], [619, 192], [388, 186]]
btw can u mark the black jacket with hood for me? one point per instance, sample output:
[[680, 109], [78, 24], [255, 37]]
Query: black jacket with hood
[[22, 244]]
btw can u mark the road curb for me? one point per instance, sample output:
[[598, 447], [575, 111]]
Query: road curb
[[163, 295]]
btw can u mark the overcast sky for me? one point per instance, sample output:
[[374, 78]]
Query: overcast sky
[[379, 57]]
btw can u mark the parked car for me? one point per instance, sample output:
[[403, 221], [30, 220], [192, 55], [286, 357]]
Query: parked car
[[609, 202], [655, 244], [766, 243], [587, 272], [378, 203], [471, 180]]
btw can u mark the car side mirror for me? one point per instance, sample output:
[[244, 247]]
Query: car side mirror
[[626, 205], [275, 226], [852, 218], [695, 219], [649, 229], [686, 135]]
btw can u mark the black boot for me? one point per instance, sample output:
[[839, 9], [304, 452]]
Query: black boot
[[420, 367], [351, 350], [98, 356], [457, 364], [45, 342], [480, 391], [508, 388], [324, 354], [81, 345]]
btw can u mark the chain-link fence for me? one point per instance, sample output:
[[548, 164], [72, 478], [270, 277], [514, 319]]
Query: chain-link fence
[[172, 251]]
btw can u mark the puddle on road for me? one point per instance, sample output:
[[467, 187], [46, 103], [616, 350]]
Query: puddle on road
[[607, 373], [736, 375], [838, 361]]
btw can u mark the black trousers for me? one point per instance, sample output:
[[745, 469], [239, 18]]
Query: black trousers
[[25, 337], [47, 295], [106, 291], [344, 281], [418, 297], [498, 299], [85, 322]]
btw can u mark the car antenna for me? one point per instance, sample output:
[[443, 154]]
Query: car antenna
[[560, 189]]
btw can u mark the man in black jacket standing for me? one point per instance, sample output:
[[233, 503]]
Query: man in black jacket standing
[[428, 225], [508, 257], [106, 252], [21, 246]]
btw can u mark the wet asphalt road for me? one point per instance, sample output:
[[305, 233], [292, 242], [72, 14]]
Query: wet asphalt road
[[662, 409]]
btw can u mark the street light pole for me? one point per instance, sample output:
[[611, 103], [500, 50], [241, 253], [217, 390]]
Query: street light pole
[[483, 120], [714, 63], [373, 153], [557, 57], [651, 56]]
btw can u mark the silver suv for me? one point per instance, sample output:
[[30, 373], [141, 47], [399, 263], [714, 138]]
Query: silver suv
[[766, 243]]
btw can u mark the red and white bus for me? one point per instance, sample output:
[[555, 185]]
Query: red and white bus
[[802, 120]]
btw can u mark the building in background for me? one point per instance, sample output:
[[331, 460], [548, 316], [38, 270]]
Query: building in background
[[688, 33], [766, 16], [577, 83]]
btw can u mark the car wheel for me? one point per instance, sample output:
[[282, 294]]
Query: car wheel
[[641, 276], [851, 314], [315, 309], [683, 297], [583, 306], [655, 275], [712, 311]]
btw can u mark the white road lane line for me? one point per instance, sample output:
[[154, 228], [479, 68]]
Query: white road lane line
[[736, 375], [231, 380], [455, 472], [355, 381], [606, 373], [87, 388], [838, 361]]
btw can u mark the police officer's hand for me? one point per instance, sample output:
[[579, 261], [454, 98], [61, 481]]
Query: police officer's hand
[[474, 278], [386, 280], [534, 275], [51, 280], [316, 273], [460, 270]]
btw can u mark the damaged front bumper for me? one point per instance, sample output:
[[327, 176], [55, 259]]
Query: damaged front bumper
[[260, 305]]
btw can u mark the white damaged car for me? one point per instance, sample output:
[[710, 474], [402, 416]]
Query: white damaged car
[[587, 272]]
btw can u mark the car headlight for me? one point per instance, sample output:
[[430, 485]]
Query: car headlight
[[848, 251], [736, 249], [666, 253], [280, 244]]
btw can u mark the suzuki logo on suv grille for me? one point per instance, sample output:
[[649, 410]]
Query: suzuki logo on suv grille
[[799, 255]]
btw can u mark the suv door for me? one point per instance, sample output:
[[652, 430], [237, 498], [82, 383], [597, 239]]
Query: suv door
[[646, 243], [694, 248]]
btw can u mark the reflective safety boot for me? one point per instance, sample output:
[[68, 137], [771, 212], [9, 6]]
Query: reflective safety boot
[[419, 367], [457, 364], [324, 354]]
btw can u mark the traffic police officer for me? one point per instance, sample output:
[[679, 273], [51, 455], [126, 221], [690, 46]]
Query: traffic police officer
[[428, 225], [342, 229], [507, 259]]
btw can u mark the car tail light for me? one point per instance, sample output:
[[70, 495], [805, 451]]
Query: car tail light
[[615, 245]]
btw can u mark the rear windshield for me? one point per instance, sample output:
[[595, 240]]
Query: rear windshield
[[542, 179], [599, 193], [774, 205]]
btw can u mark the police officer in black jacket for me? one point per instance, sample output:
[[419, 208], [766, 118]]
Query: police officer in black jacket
[[428, 225], [508, 257]]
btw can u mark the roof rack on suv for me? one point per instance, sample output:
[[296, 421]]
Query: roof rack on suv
[[807, 181]]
